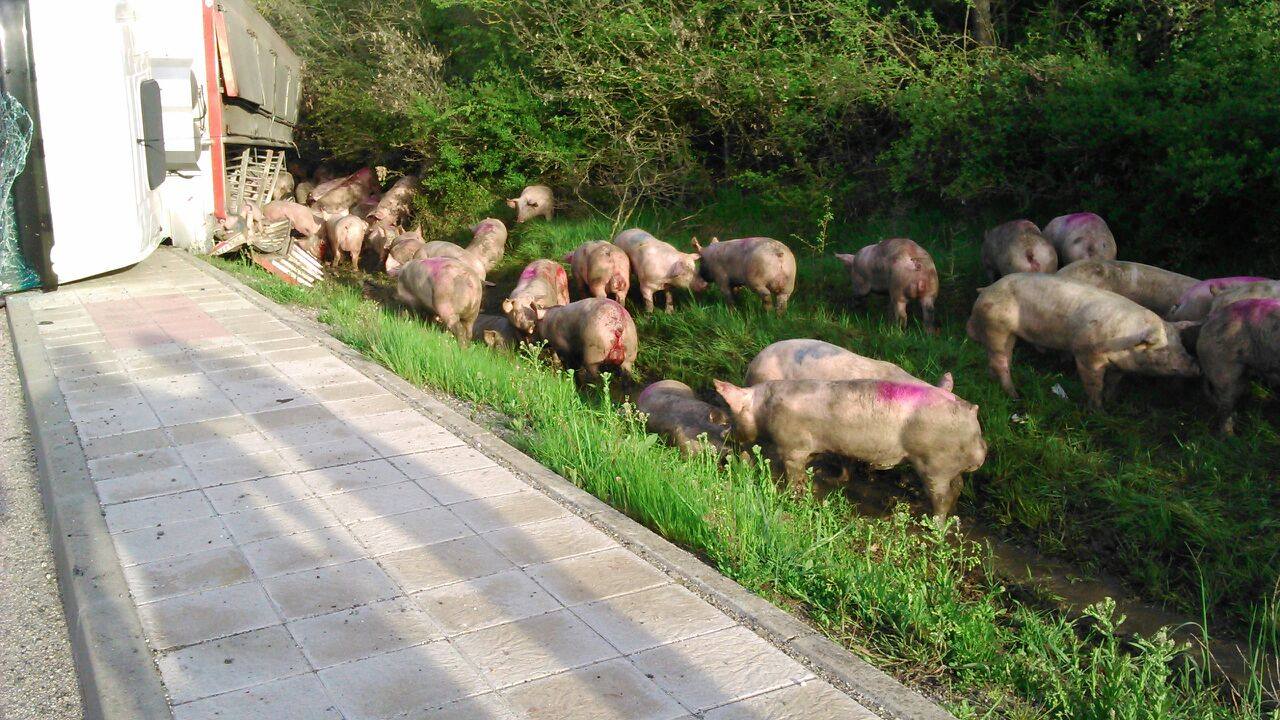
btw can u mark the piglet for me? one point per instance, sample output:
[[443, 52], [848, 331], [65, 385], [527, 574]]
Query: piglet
[[1151, 287], [302, 192], [1080, 236], [600, 268], [445, 290], [489, 241], [673, 411], [804, 359], [283, 187], [496, 332], [1195, 302], [441, 248], [346, 235], [763, 265], [1017, 247], [659, 266], [589, 334], [339, 196], [543, 283], [534, 201], [1107, 333], [879, 422], [1238, 341], [901, 268]]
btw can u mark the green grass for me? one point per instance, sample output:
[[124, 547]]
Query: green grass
[[895, 588]]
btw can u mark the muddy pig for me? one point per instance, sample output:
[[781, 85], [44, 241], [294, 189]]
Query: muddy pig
[[489, 241], [379, 238], [1017, 247], [1238, 341], [543, 283], [403, 249], [534, 201], [1151, 287], [1247, 291], [346, 235], [1195, 302], [303, 219], [878, 422], [1080, 236], [341, 195], [600, 268], [445, 290], [302, 192], [442, 248], [590, 333], [496, 332], [675, 413], [901, 268], [763, 265], [659, 266], [1107, 333], [393, 206], [804, 359]]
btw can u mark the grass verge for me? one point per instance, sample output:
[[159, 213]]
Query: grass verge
[[896, 589]]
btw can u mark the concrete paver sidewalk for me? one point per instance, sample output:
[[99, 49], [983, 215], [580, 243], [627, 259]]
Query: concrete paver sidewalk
[[301, 543]]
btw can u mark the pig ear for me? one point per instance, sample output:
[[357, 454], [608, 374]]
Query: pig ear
[[511, 202], [718, 416], [696, 245], [735, 396], [531, 203], [507, 305], [946, 382], [677, 269], [539, 312], [491, 338], [714, 239], [845, 258], [1215, 289], [568, 257]]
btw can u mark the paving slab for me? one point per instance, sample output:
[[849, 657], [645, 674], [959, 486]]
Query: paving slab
[[300, 538]]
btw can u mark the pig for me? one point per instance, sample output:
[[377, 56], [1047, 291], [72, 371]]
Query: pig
[[659, 266], [346, 235], [496, 332], [879, 422], [589, 334], [1151, 287], [543, 283], [339, 196], [1246, 291], [393, 206], [534, 201], [601, 269], [1196, 300], [401, 250], [901, 268], [283, 187], [1105, 332], [302, 192], [1237, 341], [303, 219], [247, 218], [489, 241], [445, 290], [673, 411], [763, 265], [804, 359], [315, 246], [1017, 247], [379, 238], [1080, 236], [441, 248]]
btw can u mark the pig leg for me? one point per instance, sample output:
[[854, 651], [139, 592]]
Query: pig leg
[[1093, 371], [671, 303], [943, 492], [726, 289], [999, 356], [647, 294], [783, 298], [795, 466], [900, 309], [1111, 384], [766, 299], [1225, 386], [590, 372], [619, 296]]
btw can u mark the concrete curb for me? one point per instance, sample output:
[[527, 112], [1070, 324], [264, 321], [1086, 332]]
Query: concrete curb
[[118, 677], [872, 687]]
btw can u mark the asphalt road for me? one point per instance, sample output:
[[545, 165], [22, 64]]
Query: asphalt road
[[37, 677]]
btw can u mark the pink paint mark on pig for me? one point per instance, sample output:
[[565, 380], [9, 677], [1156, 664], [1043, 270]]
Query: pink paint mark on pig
[[485, 227], [434, 264], [529, 273], [895, 393], [1226, 282], [1254, 310]]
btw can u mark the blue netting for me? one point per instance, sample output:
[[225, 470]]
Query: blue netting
[[15, 142]]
